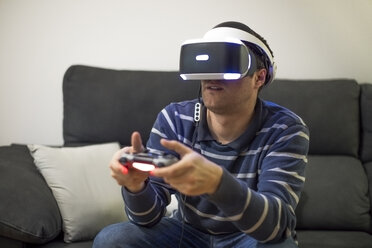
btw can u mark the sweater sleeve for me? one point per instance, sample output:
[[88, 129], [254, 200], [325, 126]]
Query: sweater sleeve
[[147, 207], [268, 211]]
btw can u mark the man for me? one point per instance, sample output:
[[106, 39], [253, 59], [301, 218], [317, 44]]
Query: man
[[240, 173]]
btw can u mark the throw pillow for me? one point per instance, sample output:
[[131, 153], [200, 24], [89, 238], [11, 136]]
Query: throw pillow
[[88, 198], [28, 210]]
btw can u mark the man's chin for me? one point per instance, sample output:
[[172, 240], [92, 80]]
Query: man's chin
[[217, 109]]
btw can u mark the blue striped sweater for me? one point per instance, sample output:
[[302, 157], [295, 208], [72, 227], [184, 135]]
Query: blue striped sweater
[[263, 174]]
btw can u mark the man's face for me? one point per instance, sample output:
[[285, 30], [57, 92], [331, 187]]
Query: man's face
[[228, 96]]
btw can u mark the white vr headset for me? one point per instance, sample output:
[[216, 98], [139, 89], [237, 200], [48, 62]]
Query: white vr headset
[[222, 55]]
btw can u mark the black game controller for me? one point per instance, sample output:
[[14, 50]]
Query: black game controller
[[147, 161]]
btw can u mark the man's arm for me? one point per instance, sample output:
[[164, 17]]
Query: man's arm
[[265, 213], [143, 204]]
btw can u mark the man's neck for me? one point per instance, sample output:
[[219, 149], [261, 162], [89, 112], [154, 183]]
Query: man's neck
[[226, 128]]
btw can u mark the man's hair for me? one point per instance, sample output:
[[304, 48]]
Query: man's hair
[[262, 60]]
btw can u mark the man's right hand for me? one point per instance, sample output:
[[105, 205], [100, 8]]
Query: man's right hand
[[131, 178]]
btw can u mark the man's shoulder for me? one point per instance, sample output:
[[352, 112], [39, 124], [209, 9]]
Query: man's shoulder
[[282, 114]]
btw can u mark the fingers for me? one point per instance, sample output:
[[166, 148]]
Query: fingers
[[178, 168], [124, 170], [176, 146], [175, 170], [136, 147], [125, 175], [136, 142], [115, 166]]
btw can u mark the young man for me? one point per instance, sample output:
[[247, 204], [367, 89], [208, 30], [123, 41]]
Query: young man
[[240, 173]]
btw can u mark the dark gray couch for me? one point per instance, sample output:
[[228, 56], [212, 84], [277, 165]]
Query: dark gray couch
[[102, 105]]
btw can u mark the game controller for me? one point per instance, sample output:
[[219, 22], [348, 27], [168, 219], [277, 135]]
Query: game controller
[[147, 161]]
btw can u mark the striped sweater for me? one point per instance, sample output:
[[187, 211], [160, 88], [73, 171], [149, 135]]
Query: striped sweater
[[263, 174]]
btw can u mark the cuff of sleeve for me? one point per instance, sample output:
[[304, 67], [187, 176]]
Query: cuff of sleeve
[[229, 191], [139, 201]]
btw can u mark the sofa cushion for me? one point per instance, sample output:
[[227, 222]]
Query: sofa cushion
[[28, 210], [62, 244], [330, 108], [334, 239], [88, 197], [335, 195], [103, 105], [10, 243], [366, 114]]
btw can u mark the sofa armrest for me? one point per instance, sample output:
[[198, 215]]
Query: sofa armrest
[[366, 122]]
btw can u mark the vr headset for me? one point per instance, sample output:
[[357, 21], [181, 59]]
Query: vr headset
[[222, 54]]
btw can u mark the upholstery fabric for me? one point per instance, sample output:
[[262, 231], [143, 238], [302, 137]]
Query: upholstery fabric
[[103, 105], [28, 210], [329, 108], [335, 195]]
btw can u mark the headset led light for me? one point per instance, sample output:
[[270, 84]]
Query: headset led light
[[231, 76], [183, 76], [202, 57]]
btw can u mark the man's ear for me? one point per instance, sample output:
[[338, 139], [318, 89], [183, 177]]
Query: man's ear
[[260, 77]]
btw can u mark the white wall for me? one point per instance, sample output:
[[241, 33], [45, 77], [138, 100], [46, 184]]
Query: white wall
[[39, 39]]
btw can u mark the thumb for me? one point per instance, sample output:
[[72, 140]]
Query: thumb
[[176, 146], [136, 142]]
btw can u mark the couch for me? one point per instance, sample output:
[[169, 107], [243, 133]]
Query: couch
[[102, 106]]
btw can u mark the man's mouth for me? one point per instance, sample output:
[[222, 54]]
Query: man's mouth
[[214, 87]]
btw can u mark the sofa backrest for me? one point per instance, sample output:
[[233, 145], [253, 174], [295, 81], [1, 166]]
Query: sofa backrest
[[104, 105], [330, 108], [366, 139]]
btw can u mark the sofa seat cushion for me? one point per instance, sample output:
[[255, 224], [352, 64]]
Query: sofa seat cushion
[[10, 243], [28, 210], [334, 239], [59, 243], [335, 195]]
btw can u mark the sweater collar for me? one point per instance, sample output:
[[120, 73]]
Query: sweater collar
[[243, 141]]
